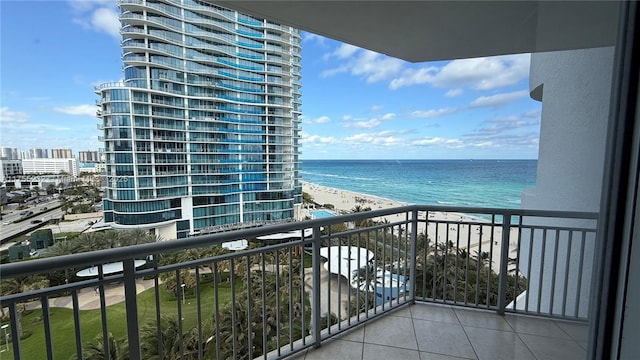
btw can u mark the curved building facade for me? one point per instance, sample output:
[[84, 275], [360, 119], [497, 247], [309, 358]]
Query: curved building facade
[[203, 131]]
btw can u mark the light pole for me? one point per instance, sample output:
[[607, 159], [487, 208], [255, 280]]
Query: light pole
[[182, 286], [6, 335]]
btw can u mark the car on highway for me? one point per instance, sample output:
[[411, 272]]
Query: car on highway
[[36, 221], [44, 208], [26, 213]]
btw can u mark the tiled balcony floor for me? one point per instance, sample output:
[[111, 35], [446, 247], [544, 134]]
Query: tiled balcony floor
[[426, 332]]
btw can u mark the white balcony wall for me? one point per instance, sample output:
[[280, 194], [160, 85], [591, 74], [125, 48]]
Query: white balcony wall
[[574, 88]]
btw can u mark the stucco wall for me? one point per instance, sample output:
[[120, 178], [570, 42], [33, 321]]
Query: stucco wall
[[574, 87]]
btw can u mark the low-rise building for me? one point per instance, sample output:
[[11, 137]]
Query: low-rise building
[[10, 169], [50, 166]]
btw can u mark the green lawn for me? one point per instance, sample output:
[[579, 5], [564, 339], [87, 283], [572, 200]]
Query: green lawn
[[62, 323]]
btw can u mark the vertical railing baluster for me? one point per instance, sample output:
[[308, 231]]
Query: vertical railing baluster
[[566, 273], [278, 345], [466, 267], [553, 271], [517, 264], [455, 275], [413, 260], [583, 245], [445, 261], [76, 323], [199, 314], [265, 349], [435, 263], [131, 306], [479, 264], [367, 275], [400, 241], [250, 307], [15, 337], [491, 246], [156, 296], [103, 309], [180, 294], [425, 255], [544, 248], [233, 307], [46, 321], [216, 280], [529, 267], [290, 299], [302, 293], [504, 259], [315, 298]]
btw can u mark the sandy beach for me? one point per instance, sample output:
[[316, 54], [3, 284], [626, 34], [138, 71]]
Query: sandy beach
[[444, 226]]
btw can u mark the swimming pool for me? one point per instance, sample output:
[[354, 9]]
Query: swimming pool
[[321, 214]]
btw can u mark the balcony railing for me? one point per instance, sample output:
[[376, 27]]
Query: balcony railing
[[301, 283]]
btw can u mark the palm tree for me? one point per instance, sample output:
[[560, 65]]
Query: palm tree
[[169, 344], [65, 247], [199, 253], [307, 198], [22, 284], [119, 238], [364, 222], [170, 281], [115, 349], [366, 277]]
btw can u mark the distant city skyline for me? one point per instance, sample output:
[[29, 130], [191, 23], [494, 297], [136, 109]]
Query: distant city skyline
[[356, 104], [44, 153]]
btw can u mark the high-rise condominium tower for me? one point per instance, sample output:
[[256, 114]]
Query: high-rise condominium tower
[[203, 130]]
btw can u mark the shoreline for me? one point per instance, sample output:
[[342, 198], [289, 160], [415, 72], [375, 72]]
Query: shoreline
[[453, 226]]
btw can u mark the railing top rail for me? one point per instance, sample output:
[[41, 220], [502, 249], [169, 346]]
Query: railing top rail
[[142, 251], [516, 212]]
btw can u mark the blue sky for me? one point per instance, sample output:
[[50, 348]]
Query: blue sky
[[357, 104]]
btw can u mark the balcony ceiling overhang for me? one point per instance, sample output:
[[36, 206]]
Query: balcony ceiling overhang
[[419, 31]]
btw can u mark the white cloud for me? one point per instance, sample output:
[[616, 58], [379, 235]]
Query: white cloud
[[438, 141], [384, 138], [375, 108], [427, 114], [97, 15], [311, 37], [8, 116], [347, 118], [84, 109], [345, 51], [106, 20], [498, 100], [480, 73], [369, 124], [86, 5], [320, 120], [454, 92], [317, 139], [334, 71], [514, 131], [371, 66]]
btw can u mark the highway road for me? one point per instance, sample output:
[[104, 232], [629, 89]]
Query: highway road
[[8, 228]]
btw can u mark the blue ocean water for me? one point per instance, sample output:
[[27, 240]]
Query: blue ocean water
[[483, 183]]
